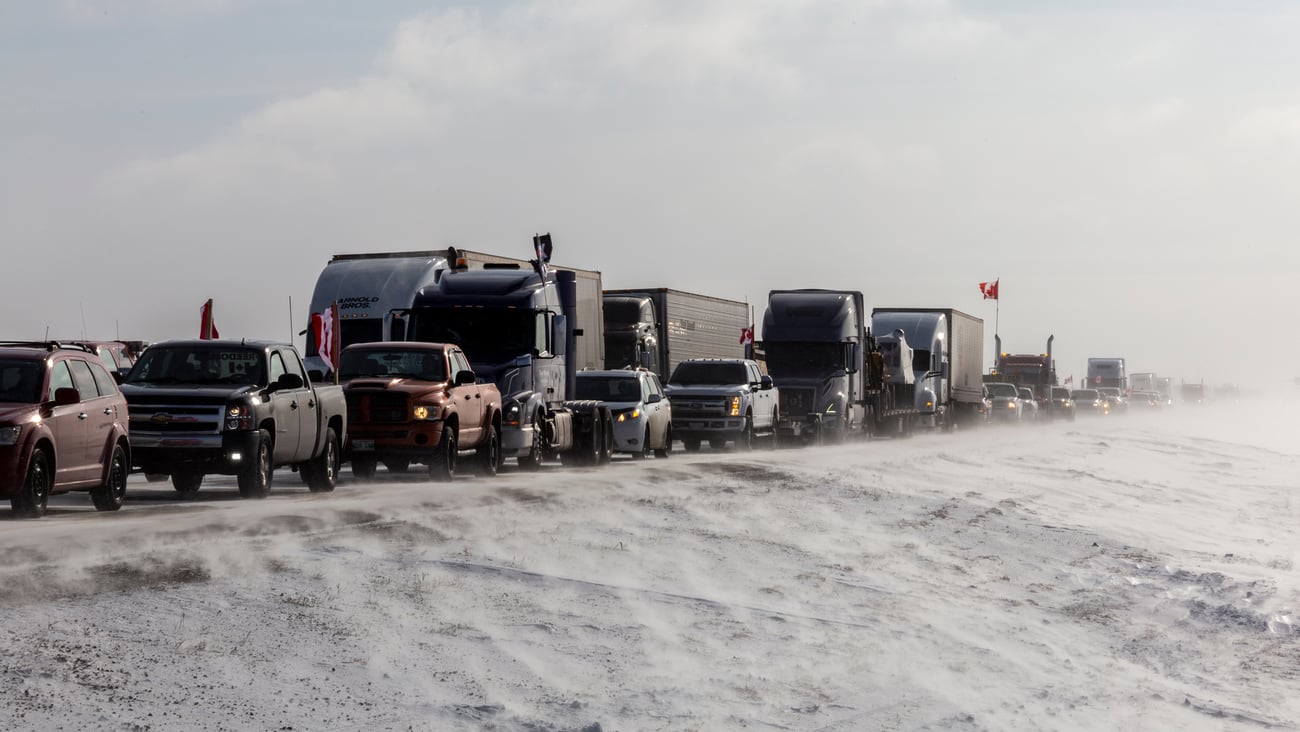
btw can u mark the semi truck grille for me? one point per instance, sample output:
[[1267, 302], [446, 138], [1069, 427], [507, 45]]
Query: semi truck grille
[[377, 407], [796, 402]]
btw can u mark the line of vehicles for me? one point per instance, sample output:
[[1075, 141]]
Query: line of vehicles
[[443, 358]]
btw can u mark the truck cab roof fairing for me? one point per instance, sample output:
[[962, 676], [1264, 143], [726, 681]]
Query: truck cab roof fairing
[[800, 315], [500, 288]]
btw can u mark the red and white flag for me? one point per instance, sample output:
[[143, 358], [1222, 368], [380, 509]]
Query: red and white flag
[[324, 328], [990, 289], [746, 335], [1069, 379], [207, 326]]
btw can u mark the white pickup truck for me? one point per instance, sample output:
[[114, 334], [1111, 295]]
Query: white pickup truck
[[721, 400]]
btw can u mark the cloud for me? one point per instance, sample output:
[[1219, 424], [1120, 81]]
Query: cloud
[[1152, 117], [1268, 129]]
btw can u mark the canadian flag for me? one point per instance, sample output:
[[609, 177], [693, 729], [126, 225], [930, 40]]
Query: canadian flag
[[746, 335], [1069, 379], [207, 326], [324, 328], [990, 289]]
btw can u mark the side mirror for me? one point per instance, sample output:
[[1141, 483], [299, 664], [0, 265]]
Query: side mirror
[[765, 382], [464, 376], [653, 398], [66, 395], [289, 381]]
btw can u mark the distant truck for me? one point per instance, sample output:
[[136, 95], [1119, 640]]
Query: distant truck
[[658, 328], [1107, 372], [1165, 388], [1143, 381], [231, 407], [418, 402], [374, 289], [947, 361], [528, 330]]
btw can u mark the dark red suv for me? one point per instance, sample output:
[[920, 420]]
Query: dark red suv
[[63, 427]]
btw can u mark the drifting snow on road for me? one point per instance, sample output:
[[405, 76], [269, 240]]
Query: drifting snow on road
[[1119, 573]]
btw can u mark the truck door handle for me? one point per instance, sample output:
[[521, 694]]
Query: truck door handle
[[108, 410], [83, 415], [311, 403], [293, 404]]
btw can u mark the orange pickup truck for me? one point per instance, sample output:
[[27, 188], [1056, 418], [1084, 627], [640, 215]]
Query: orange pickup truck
[[418, 403]]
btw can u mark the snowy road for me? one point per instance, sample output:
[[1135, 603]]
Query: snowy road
[[1125, 573]]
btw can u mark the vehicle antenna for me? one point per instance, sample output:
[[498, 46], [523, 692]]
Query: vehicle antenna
[[83, 320]]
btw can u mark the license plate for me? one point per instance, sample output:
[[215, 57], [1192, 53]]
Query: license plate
[[363, 444], [697, 425]]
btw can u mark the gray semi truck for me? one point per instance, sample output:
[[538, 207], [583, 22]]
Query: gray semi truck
[[947, 361], [658, 328], [528, 330]]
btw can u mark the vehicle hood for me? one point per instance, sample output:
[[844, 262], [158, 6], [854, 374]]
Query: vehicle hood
[[706, 390], [174, 393], [11, 414], [406, 386]]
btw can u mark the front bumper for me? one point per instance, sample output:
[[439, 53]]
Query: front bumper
[[223, 454], [403, 439], [707, 427]]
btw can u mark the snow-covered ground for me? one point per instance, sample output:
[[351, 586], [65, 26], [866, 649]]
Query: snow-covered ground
[[1134, 573]]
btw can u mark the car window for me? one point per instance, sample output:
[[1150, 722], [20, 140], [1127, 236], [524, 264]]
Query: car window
[[103, 382], [106, 355], [60, 378], [277, 367], [20, 381], [83, 379]]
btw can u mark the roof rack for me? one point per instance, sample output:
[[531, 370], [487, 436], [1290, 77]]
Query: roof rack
[[47, 345]]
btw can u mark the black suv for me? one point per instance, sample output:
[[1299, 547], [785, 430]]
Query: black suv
[[63, 427]]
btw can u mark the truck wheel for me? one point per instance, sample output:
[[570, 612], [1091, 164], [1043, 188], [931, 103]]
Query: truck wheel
[[397, 465], [31, 499], [745, 442], [691, 445], [322, 471], [489, 453], [186, 483], [533, 460], [442, 463], [108, 496], [776, 434], [664, 451], [717, 443], [156, 477], [363, 468], [255, 477]]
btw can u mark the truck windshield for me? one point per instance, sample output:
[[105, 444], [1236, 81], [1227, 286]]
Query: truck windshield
[[622, 312], [395, 363], [199, 365], [690, 373], [20, 381], [487, 335], [802, 358], [620, 350], [1003, 390]]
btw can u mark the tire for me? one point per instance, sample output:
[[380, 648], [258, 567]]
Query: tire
[[533, 460], [745, 441], [776, 434], [605, 450], [691, 445], [255, 477], [442, 463], [489, 453], [186, 483], [717, 443], [667, 449], [363, 468], [156, 477], [397, 465], [34, 494], [322, 471], [109, 495]]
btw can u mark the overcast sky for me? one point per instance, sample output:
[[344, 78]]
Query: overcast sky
[[1129, 169]]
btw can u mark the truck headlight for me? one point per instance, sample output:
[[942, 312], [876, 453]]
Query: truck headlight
[[511, 417], [425, 411], [239, 417], [629, 414], [9, 435], [734, 411]]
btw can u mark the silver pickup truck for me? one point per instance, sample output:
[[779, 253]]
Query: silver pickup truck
[[719, 400], [232, 407]]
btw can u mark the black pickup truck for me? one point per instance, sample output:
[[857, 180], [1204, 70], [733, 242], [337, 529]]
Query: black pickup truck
[[230, 407]]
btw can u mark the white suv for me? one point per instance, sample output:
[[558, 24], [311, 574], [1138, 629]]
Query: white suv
[[643, 418]]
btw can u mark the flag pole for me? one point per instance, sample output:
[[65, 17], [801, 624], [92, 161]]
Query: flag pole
[[336, 339]]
